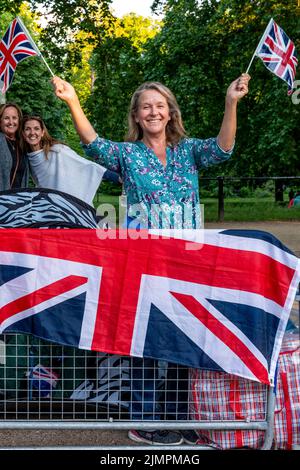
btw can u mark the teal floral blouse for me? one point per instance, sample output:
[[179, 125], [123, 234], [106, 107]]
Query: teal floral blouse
[[158, 196]]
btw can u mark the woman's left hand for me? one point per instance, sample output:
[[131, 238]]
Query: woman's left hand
[[238, 88]]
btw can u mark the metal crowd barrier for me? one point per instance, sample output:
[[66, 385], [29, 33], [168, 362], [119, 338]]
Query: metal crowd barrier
[[47, 386]]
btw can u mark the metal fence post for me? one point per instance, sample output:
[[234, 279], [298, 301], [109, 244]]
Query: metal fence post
[[278, 190]]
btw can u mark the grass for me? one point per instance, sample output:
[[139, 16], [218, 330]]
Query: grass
[[235, 209], [249, 209], [106, 199]]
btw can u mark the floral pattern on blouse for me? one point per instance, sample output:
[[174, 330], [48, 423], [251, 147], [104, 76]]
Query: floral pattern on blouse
[[160, 197]]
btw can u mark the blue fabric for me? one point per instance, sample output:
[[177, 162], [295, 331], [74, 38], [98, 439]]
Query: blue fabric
[[148, 402], [111, 176], [296, 202]]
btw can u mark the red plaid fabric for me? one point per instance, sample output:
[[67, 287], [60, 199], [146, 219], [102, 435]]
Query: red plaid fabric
[[287, 409], [217, 396]]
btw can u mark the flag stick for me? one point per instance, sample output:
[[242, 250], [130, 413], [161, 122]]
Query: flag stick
[[34, 45], [259, 44]]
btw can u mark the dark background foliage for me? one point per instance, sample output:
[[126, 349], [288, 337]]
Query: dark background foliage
[[199, 48]]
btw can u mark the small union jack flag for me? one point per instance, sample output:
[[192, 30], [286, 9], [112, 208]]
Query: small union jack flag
[[43, 380], [15, 46], [278, 54]]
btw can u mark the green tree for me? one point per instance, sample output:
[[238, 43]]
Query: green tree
[[10, 7], [65, 20], [117, 63], [197, 51], [32, 90], [201, 48], [31, 87]]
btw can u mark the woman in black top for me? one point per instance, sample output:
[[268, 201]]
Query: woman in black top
[[13, 164]]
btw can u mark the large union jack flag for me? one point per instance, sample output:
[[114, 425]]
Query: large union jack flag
[[222, 304], [278, 54], [15, 46]]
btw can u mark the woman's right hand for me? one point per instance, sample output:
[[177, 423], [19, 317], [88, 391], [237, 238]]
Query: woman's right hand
[[66, 92], [63, 89]]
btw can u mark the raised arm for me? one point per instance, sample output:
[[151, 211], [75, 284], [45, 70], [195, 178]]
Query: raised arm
[[235, 92], [66, 92]]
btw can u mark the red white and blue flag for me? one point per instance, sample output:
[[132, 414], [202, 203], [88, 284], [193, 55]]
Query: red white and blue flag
[[220, 305], [278, 54], [15, 46], [43, 380]]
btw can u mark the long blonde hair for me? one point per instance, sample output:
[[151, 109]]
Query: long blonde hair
[[174, 129], [47, 140]]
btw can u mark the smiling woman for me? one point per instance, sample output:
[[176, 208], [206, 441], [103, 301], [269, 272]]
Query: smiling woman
[[13, 165], [159, 166], [33, 132], [36, 135], [54, 165]]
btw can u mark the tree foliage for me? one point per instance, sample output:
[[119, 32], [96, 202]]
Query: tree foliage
[[31, 88], [197, 50], [201, 48], [66, 19], [117, 63], [10, 7]]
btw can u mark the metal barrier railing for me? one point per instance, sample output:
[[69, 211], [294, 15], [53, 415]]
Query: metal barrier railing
[[280, 182], [47, 386]]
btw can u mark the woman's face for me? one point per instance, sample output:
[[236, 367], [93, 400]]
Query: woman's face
[[153, 113], [9, 122], [33, 134]]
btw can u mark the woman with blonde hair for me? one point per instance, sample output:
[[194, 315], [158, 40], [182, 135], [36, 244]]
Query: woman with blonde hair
[[158, 163], [13, 164], [159, 166], [174, 128]]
